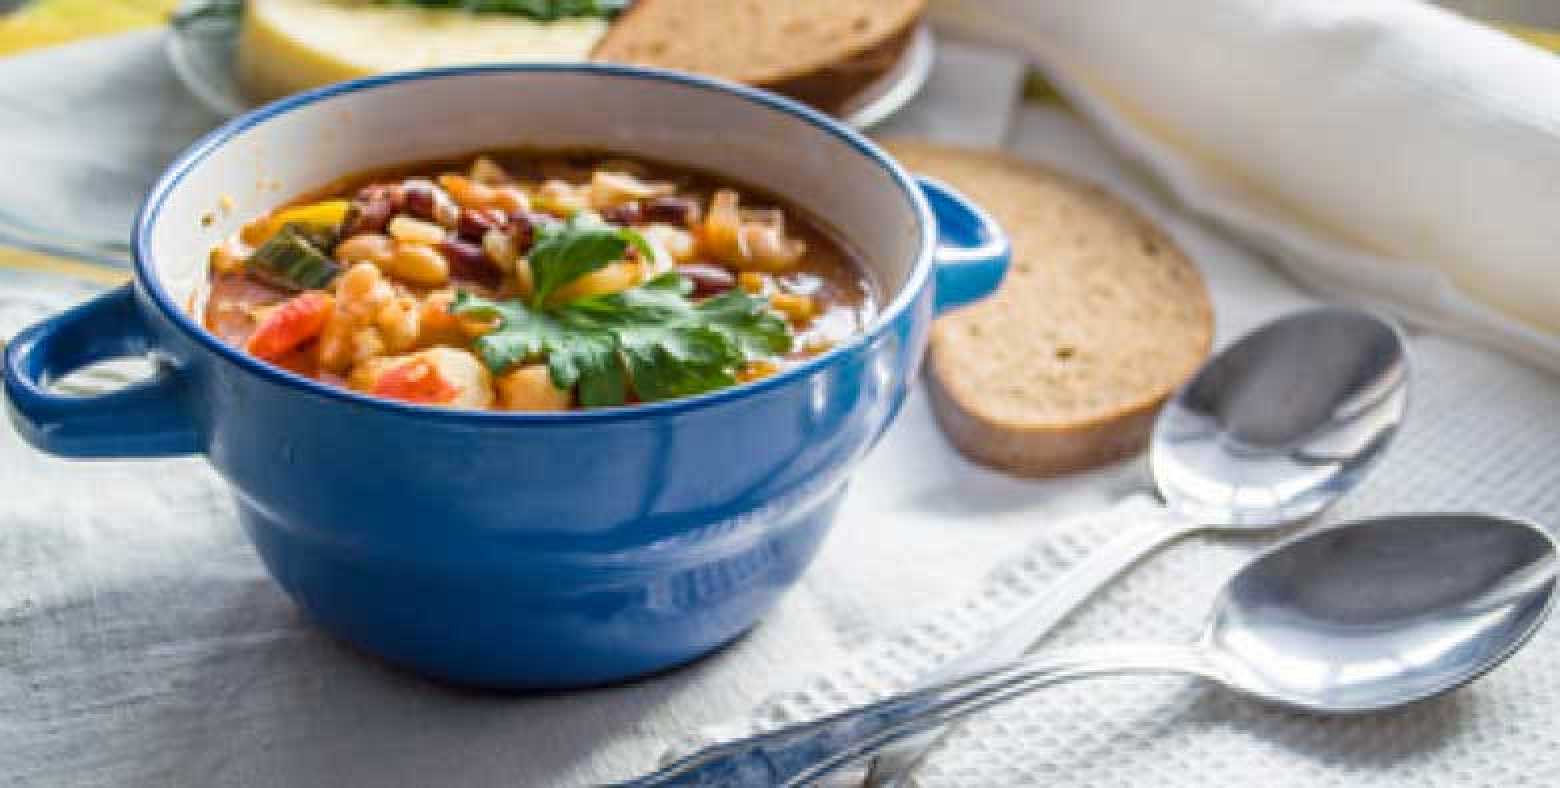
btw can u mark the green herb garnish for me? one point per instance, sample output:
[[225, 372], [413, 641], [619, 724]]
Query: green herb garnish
[[296, 258], [567, 251], [544, 10], [650, 338]]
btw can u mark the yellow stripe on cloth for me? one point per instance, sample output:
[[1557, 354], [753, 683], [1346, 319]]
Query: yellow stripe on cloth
[[22, 260], [1547, 39], [47, 22]]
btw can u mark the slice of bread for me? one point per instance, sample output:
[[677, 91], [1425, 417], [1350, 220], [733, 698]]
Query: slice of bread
[[1100, 319], [759, 42]]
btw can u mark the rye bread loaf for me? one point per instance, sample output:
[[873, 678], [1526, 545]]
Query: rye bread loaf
[[759, 42], [1100, 318]]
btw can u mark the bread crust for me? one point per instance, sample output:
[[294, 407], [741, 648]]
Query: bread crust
[[1024, 438], [625, 40], [1040, 450], [832, 89]]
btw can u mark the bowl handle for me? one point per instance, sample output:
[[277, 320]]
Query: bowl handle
[[972, 250], [146, 419]]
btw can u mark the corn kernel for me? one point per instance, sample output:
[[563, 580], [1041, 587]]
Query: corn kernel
[[752, 282], [797, 308], [488, 172], [756, 370]]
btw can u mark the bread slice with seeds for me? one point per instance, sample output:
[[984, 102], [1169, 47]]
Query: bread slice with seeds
[[1100, 319]]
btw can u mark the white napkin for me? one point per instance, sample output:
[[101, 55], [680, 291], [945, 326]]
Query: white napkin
[[1384, 151]]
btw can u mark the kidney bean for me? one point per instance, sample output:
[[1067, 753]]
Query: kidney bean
[[708, 279], [523, 227], [474, 223], [425, 200], [372, 209], [629, 213], [681, 211], [469, 262], [382, 191], [420, 200]]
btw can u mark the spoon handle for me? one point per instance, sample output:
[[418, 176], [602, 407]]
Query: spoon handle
[[802, 753], [1019, 633]]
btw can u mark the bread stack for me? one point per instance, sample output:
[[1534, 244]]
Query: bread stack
[[819, 51], [823, 52]]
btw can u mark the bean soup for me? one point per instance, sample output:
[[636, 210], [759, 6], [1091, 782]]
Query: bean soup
[[528, 282]]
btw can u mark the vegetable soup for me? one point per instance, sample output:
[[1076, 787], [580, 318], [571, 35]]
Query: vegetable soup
[[536, 283]]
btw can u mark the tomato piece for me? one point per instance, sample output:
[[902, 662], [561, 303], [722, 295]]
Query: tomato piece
[[291, 325], [418, 380]]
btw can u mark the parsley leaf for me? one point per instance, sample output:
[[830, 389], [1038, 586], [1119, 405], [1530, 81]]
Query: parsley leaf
[[651, 339], [567, 251], [574, 354]]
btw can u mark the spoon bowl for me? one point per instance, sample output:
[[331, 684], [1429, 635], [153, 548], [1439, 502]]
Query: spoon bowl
[[1282, 422], [1377, 615]]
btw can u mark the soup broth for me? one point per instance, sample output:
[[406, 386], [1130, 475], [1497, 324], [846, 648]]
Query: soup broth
[[533, 282]]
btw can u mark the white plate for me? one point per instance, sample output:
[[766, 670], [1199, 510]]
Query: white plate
[[201, 49]]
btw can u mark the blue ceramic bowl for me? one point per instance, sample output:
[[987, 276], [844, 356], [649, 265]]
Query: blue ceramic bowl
[[507, 549]]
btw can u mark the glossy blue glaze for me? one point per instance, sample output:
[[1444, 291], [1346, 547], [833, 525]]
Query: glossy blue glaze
[[972, 250], [145, 420], [503, 549]]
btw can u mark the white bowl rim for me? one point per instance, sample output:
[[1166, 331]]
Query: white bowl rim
[[151, 211]]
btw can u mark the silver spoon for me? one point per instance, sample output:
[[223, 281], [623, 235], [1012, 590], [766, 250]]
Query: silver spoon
[[1268, 433], [1362, 617]]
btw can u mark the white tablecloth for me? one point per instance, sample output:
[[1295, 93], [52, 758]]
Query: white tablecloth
[[142, 644]]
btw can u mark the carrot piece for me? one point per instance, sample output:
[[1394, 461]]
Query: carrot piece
[[290, 325], [436, 326], [417, 381]]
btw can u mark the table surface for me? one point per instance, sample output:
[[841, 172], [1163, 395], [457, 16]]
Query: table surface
[[146, 645]]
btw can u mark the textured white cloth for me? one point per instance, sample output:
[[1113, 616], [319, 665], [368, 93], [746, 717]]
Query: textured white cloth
[[1383, 151], [1483, 434]]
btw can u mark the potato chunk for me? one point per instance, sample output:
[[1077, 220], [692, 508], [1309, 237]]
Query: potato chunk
[[530, 388], [437, 376]]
